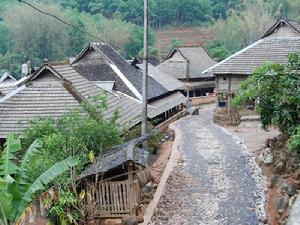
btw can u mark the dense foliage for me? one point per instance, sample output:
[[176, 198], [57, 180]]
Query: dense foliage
[[71, 135], [16, 189], [276, 89], [26, 35], [241, 27], [75, 134]]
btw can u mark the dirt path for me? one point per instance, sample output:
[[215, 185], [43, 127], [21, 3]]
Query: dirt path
[[217, 183]]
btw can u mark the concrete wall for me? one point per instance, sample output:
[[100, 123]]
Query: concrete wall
[[203, 100]]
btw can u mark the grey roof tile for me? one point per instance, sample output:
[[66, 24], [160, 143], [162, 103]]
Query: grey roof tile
[[267, 50], [101, 70], [44, 97], [199, 61], [116, 157]]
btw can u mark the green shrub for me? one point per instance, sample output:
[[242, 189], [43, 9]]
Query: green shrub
[[294, 141], [74, 134]]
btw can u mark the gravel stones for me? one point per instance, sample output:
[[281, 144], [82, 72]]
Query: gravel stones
[[218, 182]]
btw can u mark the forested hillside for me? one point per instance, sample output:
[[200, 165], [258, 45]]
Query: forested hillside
[[26, 34]]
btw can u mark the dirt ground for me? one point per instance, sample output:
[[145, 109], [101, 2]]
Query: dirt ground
[[255, 138], [160, 162]]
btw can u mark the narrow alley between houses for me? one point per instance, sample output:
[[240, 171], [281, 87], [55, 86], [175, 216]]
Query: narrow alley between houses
[[217, 181]]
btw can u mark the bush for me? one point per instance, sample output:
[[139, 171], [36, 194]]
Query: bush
[[294, 141], [74, 134]]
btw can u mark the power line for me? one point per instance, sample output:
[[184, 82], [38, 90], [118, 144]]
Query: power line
[[62, 21]]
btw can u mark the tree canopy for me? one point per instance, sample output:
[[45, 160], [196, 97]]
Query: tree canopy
[[276, 90]]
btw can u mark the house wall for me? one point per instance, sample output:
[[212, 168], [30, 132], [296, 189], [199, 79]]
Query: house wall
[[92, 55], [177, 57], [229, 82], [284, 31]]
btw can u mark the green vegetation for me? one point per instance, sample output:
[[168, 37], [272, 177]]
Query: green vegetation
[[27, 35], [63, 208], [276, 88], [75, 134], [16, 189]]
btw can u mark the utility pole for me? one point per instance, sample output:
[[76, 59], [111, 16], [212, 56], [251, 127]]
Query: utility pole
[[187, 83], [145, 74]]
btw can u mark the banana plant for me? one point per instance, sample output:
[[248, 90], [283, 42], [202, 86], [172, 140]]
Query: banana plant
[[16, 192]]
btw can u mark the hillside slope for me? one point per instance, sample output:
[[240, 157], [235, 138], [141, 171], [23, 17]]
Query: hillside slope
[[188, 36]]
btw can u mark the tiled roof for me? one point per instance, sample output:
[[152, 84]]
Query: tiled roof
[[267, 50], [34, 101], [120, 102], [199, 61], [169, 82], [164, 104], [45, 95], [116, 157], [7, 77], [116, 65]]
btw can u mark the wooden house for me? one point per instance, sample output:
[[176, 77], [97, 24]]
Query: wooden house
[[54, 90], [273, 47], [112, 183], [7, 84], [187, 64], [101, 64]]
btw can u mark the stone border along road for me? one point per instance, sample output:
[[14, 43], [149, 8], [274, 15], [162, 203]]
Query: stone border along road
[[218, 181]]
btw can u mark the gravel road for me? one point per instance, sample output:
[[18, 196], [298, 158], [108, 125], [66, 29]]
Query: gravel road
[[217, 182]]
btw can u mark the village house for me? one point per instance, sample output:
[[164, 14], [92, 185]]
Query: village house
[[54, 90], [273, 47], [7, 84], [113, 182], [102, 65], [187, 64]]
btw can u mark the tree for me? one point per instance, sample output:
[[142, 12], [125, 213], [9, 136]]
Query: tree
[[241, 28], [175, 43], [16, 192], [252, 29], [4, 38], [37, 35], [276, 88], [73, 134]]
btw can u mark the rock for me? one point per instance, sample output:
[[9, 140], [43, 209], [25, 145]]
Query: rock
[[289, 189], [146, 189], [297, 183], [140, 218], [297, 174], [263, 220], [292, 200], [280, 168], [112, 222], [266, 157], [283, 156], [276, 181], [281, 203], [130, 220]]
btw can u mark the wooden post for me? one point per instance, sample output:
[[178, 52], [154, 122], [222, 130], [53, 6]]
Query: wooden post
[[131, 190]]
